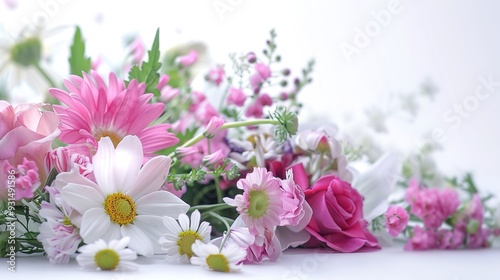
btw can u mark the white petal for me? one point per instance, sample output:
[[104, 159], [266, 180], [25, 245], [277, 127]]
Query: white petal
[[184, 222], [171, 225], [151, 177], [95, 223], [377, 183], [128, 161], [81, 197], [103, 162], [152, 226], [195, 220], [64, 178], [139, 241], [113, 232], [161, 203], [290, 238]]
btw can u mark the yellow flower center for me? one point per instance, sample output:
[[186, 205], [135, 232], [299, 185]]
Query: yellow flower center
[[115, 138], [218, 262], [259, 202], [107, 259], [186, 240], [66, 221], [120, 208]]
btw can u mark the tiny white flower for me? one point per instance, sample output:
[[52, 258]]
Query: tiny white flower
[[103, 256], [181, 235], [225, 260]]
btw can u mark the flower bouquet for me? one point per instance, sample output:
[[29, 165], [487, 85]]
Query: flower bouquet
[[143, 161]]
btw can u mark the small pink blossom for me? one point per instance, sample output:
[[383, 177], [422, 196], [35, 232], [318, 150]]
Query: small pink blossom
[[265, 100], [63, 160], [213, 158], [422, 239], [262, 73], [26, 178], [216, 75], [254, 110], [188, 59], [168, 93], [213, 126], [396, 219], [164, 79], [236, 96], [449, 239], [266, 247]]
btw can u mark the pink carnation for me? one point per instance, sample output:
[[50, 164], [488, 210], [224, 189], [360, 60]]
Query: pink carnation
[[396, 219]]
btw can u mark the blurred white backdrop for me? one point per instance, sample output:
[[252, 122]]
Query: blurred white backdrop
[[455, 44]]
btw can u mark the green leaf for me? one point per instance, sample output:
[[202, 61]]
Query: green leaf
[[149, 71], [78, 63]]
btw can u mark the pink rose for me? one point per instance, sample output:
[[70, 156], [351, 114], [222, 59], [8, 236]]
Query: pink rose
[[26, 134], [337, 219]]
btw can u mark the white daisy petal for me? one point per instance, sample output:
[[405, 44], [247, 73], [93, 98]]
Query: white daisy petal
[[139, 241], [184, 221], [103, 162], [81, 198], [95, 223], [129, 154], [161, 203], [113, 232], [171, 225], [195, 220], [151, 177]]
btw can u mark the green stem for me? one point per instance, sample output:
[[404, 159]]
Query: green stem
[[228, 228], [218, 206], [218, 190], [45, 75], [228, 125]]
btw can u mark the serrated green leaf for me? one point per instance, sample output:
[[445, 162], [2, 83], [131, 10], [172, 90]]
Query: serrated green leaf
[[78, 62], [148, 72]]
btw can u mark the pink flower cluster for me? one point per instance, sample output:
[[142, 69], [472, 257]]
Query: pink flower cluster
[[445, 225]]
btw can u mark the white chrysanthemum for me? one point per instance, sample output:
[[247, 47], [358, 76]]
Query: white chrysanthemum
[[224, 260], [180, 236], [257, 146], [126, 200], [112, 256]]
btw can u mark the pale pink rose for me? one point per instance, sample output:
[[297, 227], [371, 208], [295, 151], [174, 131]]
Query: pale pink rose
[[236, 96], [26, 133], [293, 202], [337, 219], [396, 219]]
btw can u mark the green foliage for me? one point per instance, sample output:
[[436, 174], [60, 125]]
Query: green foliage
[[78, 62], [148, 72]]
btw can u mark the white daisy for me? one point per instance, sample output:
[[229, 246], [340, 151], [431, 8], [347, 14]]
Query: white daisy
[[112, 256], [224, 260], [181, 235], [126, 200]]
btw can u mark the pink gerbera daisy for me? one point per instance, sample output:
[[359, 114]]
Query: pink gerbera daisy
[[260, 204], [95, 110]]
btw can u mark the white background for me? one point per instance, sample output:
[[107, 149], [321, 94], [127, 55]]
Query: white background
[[452, 43]]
